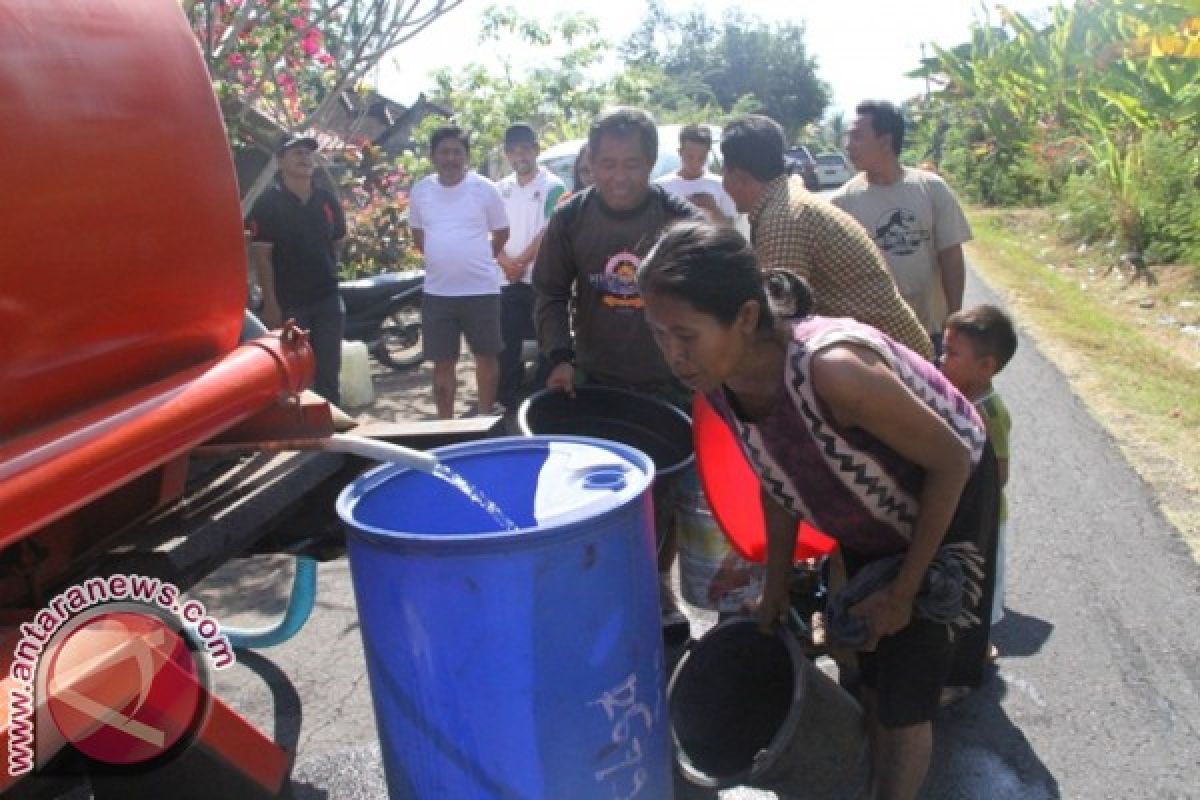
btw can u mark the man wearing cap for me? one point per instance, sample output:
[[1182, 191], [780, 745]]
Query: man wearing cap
[[531, 193], [297, 231]]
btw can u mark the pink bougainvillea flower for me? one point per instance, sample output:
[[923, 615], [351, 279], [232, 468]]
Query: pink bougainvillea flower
[[311, 46], [236, 60], [299, 23]]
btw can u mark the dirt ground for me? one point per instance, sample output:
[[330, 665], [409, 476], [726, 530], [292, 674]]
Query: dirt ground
[[1164, 302], [409, 395]]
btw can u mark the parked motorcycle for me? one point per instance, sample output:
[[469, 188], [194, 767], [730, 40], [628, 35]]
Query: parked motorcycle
[[385, 312]]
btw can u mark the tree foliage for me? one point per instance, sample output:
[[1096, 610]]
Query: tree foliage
[[736, 63], [281, 64], [829, 135], [1024, 106], [551, 88]]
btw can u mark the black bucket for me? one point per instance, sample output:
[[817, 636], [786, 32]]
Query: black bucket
[[657, 428], [752, 710]]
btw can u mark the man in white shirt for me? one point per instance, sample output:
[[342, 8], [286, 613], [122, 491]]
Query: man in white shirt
[[693, 181], [531, 193], [458, 223], [912, 215]]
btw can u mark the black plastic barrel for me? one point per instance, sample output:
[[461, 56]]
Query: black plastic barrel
[[654, 426], [749, 709]]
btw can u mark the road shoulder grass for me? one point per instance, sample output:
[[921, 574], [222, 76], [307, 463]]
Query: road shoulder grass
[[1128, 349]]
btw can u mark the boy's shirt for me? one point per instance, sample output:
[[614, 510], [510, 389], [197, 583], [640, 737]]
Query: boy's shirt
[[999, 424]]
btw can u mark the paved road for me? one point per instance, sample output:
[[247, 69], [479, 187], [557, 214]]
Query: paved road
[[1097, 693]]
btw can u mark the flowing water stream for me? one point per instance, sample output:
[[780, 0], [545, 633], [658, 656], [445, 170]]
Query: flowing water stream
[[472, 493]]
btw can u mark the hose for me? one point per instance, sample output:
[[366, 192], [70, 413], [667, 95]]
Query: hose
[[380, 451], [304, 583], [299, 607]]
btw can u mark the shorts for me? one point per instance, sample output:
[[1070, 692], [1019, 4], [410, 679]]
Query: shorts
[[445, 319], [908, 669]]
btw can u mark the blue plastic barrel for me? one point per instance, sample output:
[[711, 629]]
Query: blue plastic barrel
[[514, 664]]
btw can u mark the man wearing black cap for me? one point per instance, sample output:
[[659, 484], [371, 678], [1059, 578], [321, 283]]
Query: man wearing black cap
[[297, 230], [531, 193]]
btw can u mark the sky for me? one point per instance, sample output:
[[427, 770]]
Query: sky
[[862, 47]]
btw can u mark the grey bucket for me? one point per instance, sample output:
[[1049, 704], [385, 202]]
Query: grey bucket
[[711, 573], [752, 710]]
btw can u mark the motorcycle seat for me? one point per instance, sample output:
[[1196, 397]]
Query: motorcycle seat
[[378, 288]]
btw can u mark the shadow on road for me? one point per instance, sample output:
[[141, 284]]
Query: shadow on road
[[304, 791], [260, 585], [289, 712], [1020, 635], [979, 754], [288, 716]]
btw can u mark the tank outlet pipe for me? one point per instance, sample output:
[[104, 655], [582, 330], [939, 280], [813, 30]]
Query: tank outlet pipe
[[299, 608], [380, 451]]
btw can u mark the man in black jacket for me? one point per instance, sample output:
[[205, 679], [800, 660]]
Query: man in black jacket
[[588, 261]]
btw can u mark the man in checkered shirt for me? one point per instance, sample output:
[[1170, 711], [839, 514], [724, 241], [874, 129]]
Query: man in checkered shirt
[[793, 229]]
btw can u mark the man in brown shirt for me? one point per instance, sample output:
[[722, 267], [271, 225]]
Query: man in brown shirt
[[793, 229], [588, 260], [588, 309]]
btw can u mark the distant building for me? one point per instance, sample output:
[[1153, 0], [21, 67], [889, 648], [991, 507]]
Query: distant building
[[380, 120]]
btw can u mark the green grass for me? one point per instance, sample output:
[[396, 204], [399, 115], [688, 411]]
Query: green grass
[[1146, 392]]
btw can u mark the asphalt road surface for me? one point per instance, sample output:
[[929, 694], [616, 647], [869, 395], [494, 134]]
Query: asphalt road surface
[[1097, 691]]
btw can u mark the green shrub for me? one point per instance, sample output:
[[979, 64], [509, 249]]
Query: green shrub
[[1165, 197], [1169, 197], [1086, 209], [377, 236], [995, 171]]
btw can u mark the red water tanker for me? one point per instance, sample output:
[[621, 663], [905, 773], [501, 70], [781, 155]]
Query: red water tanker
[[121, 303]]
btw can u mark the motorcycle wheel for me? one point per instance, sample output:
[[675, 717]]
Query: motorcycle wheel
[[399, 345]]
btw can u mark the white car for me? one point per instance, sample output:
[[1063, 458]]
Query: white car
[[560, 158], [833, 169]]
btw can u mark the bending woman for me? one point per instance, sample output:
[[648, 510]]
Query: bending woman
[[864, 439]]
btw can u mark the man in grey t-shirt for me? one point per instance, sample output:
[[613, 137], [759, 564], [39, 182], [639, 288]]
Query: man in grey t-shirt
[[912, 215]]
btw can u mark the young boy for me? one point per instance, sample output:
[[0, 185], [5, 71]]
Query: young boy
[[978, 343]]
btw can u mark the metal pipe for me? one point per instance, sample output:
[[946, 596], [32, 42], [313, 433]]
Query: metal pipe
[[50, 473]]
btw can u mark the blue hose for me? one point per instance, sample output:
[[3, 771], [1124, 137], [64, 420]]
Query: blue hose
[[299, 608]]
